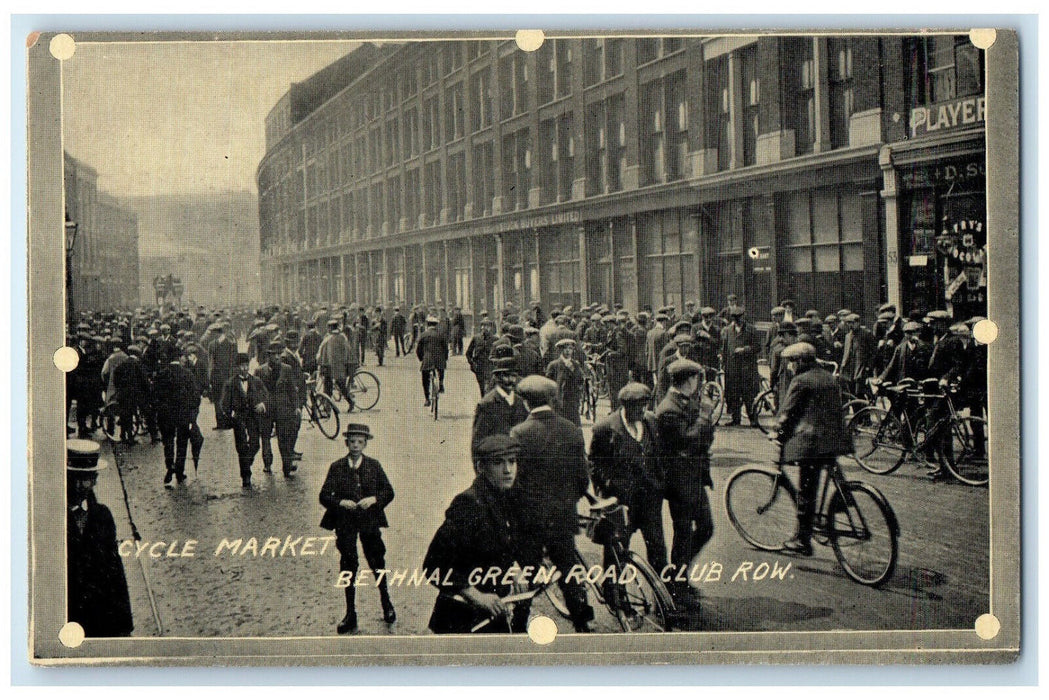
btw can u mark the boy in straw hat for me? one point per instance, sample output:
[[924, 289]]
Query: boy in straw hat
[[355, 494], [98, 598]]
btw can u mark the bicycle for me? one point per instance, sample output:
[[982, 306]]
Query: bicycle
[[588, 406], [885, 438], [855, 519], [435, 391], [636, 597], [112, 425], [363, 389], [713, 391], [320, 410]]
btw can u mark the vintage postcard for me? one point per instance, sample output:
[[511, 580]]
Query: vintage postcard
[[524, 348]]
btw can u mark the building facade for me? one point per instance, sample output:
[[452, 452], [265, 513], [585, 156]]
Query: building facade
[[837, 171], [102, 259]]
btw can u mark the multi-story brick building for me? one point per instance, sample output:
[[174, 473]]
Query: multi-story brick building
[[103, 272], [645, 171]]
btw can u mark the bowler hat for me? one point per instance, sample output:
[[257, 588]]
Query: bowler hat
[[357, 429]]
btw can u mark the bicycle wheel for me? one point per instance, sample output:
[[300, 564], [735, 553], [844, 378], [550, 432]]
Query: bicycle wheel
[[854, 406], [765, 410], [863, 533], [645, 604], [966, 454], [589, 400], [365, 389], [877, 437], [325, 415], [715, 395], [762, 506], [111, 423], [601, 382]]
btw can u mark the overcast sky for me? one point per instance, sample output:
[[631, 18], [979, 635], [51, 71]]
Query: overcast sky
[[170, 117]]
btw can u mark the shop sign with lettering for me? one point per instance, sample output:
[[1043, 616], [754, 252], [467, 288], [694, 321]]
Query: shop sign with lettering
[[528, 222], [967, 111]]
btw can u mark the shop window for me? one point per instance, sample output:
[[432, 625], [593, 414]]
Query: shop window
[[653, 131], [944, 68], [719, 123], [748, 59], [606, 145], [670, 271]]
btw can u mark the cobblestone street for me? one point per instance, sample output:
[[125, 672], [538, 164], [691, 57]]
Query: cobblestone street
[[941, 579]]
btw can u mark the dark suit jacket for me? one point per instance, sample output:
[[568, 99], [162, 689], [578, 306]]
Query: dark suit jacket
[[282, 384], [551, 472], [685, 435], [97, 587], [811, 421], [494, 416], [177, 394], [906, 363], [240, 407], [857, 358], [342, 483], [622, 467], [432, 350]]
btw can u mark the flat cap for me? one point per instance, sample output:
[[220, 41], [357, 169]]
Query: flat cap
[[275, 346], [974, 320], [912, 327], [853, 318], [887, 307], [565, 343], [787, 327], [431, 320], [634, 392], [787, 302], [683, 339], [798, 351], [736, 311], [778, 310], [497, 445], [707, 311], [661, 316], [886, 316], [535, 385], [595, 317], [608, 318], [831, 318], [939, 315], [679, 370], [842, 313]]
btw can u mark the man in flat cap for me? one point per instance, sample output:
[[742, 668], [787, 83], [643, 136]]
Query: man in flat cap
[[655, 340], [624, 458], [568, 375], [552, 477], [478, 352], [96, 586], [910, 359], [244, 407], [685, 435], [811, 432], [779, 374], [479, 533], [432, 351], [335, 360], [739, 352], [777, 313], [355, 495], [858, 355]]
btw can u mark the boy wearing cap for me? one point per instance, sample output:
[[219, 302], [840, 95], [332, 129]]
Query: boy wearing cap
[[811, 432], [478, 533], [355, 494], [96, 589]]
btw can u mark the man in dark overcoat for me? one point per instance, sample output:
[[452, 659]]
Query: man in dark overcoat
[[552, 477], [355, 495], [478, 351], [283, 411], [398, 324], [811, 432], [685, 436], [177, 396], [739, 352], [432, 351], [501, 408], [96, 587]]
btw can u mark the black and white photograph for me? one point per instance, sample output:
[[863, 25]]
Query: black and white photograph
[[562, 347]]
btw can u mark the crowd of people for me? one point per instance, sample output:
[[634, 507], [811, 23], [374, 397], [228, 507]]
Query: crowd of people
[[531, 461]]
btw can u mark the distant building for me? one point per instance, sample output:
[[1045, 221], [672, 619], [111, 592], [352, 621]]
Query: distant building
[[104, 272], [838, 171]]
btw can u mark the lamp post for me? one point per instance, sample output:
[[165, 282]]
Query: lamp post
[[71, 228]]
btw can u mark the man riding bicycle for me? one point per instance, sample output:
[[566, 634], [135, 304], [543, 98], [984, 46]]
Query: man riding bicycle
[[432, 351], [811, 432]]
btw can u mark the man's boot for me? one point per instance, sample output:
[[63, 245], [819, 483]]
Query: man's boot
[[348, 625], [389, 615]]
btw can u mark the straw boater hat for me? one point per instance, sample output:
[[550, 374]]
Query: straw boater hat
[[82, 457]]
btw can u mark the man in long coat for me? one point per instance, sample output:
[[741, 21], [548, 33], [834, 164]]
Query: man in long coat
[[568, 375], [552, 477], [739, 351], [244, 404], [283, 411], [335, 357]]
